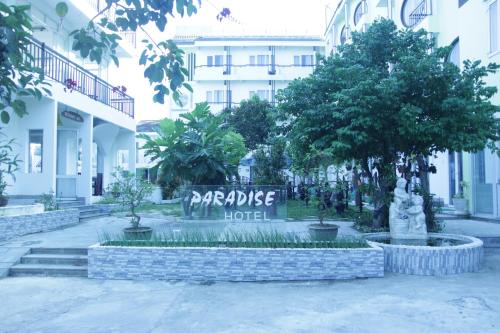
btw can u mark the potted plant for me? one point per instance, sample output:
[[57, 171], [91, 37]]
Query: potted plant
[[131, 192], [8, 166], [323, 231], [460, 202]]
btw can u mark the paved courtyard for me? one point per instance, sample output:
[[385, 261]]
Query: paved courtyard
[[462, 303], [396, 303]]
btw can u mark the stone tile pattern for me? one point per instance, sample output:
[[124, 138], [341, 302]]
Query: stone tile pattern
[[108, 208], [233, 264], [426, 260], [14, 226]]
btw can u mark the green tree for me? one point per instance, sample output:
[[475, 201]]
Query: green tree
[[252, 119], [18, 78], [387, 97], [197, 150], [270, 161]]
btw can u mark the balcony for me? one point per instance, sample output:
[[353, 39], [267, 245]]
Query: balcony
[[68, 73], [418, 14], [251, 72]]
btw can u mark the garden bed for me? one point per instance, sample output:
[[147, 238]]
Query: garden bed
[[235, 259], [14, 226]]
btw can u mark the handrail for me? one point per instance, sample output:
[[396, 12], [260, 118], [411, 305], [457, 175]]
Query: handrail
[[418, 14], [59, 68]]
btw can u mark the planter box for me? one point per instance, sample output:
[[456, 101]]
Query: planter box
[[233, 264], [461, 206], [14, 226], [21, 210]]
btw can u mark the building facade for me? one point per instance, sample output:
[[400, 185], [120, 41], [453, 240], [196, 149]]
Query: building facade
[[224, 70], [472, 27], [71, 142]]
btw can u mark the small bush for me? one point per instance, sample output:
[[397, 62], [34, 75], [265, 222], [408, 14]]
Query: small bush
[[48, 200], [232, 239]]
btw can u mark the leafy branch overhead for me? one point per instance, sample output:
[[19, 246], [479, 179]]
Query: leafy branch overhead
[[163, 60], [18, 77]]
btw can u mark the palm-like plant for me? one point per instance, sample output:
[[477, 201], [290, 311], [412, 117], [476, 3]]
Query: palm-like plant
[[196, 149]]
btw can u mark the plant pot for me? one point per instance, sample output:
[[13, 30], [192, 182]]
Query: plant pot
[[3, 201], [323, 232], [140, 233], [461, 206]]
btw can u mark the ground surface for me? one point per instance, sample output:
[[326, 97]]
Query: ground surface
[[396, 303], [462, 303]]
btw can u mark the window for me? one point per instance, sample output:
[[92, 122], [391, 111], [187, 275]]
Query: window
[[296, 60], [209, 97], [219, 60], [307, 60], [461, 2], [414, 11], [252, 60], [218, 96], [261, 94], [210, 61], [262, 60], [494, 36], [343, 35], [358, 12], [454, 56], [35, 151]]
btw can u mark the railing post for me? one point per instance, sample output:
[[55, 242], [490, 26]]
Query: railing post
[[43, 59], [95, 87]]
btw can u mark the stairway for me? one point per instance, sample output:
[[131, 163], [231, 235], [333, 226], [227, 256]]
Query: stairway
[[86, 211], [68, 262]]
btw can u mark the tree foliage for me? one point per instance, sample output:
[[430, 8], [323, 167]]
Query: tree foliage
[[18, 77], [270, 161], [196, 149], [389, 95], [163, 60], [252, 119]]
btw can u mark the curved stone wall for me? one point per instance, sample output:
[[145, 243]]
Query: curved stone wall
[[427, 260]]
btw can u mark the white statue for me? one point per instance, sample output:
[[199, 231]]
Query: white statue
[[406, 215], [417, 225]]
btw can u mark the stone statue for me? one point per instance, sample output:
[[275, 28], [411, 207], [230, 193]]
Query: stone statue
[[406, 215], [417, 225]]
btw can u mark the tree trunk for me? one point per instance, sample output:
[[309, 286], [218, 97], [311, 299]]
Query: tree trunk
[[426, 192]]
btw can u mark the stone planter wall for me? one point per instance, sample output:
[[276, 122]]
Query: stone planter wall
[[14, 226], [427, 260], [109, 208], [233, 264]]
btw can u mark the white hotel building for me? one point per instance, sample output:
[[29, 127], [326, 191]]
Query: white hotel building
[[472, 27], [70, 142], [224, 70]]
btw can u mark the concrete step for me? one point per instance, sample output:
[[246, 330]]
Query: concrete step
[[92, 215], [48, 270], [59, 250], [55, 259]]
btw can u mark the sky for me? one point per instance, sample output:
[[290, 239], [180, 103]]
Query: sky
[[259, 17]]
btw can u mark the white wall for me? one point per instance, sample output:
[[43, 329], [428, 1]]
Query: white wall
[[42, 115]]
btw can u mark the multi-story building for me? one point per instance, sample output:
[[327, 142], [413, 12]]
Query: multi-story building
[[224, 70], [472, 27], [70, 142]]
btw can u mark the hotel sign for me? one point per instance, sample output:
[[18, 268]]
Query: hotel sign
[[234, 203], [73, 116]]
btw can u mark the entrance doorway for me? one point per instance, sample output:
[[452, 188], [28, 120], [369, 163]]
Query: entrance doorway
[[67, 167]]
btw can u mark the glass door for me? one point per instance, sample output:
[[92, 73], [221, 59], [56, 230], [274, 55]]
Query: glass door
[[67, 163], [484, 180]]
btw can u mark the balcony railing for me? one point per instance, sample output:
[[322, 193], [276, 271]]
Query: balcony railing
[[75, 77], [418, 14]]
